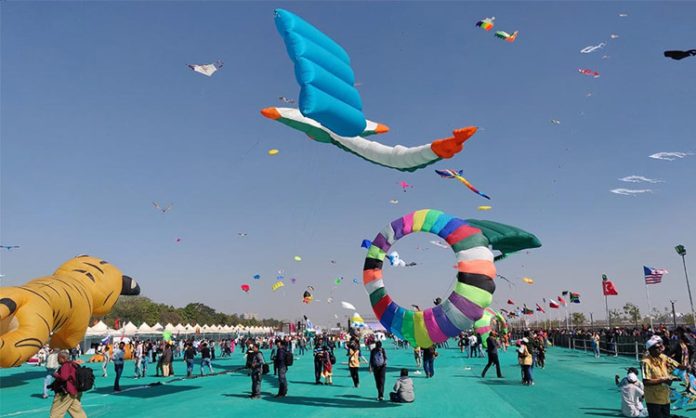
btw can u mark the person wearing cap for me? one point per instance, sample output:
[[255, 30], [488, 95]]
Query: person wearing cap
[[524, 357], [632, 392], [657, 369]]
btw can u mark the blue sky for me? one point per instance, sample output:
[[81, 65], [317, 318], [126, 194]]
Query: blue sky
[[100, 116]]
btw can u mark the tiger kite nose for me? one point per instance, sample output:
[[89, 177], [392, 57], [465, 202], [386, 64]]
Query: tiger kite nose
[[130, 287]]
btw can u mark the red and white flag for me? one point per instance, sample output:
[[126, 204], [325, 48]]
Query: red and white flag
[[553, 304], [563, 302], [608, 287]]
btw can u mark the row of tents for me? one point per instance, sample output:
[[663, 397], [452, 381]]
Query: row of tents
[[100, 329]]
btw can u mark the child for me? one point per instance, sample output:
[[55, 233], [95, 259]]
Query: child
[[327, 367]]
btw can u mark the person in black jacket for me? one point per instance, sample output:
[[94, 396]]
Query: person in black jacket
[[281, 367], [492, 350], [378, 366]]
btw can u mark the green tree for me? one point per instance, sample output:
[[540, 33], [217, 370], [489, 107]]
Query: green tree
[[632, 312], [578, 318]]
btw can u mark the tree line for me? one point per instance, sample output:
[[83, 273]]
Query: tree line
[[141, 309]]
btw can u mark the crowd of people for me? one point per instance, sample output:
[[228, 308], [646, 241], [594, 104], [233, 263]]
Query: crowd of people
[[665, 351]]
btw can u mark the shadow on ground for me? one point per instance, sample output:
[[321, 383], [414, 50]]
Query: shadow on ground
[[20, 379]]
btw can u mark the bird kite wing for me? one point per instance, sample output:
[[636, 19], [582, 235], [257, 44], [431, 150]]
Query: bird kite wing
[[330, 107]]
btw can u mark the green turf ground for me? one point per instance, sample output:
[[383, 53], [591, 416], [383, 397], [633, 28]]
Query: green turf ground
[[574, 384]]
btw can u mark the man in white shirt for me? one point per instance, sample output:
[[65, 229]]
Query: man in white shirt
[[138, 359], [631, 394]]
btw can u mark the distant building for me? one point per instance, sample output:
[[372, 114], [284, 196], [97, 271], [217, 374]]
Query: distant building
[[250, 315]]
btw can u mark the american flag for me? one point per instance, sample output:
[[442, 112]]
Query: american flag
[[653, 275]]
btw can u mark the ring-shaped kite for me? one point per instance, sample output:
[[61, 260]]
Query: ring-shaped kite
[[485, 325], [472, 242]]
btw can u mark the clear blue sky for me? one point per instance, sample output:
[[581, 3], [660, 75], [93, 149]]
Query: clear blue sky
[[101, 116]]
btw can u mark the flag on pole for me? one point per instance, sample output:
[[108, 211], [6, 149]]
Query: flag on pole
[[653, 275], [540, 309], [553, 304], [527, 311], [574, 297], [608, 287], [563, 302]]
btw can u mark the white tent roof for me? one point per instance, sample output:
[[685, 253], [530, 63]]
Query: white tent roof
[[130, 327], [157, 327], [188, 327], [100, 327], [179, 328], [169, 327], [144, 328]]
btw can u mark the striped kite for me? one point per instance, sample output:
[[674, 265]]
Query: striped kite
[[472, 242], [451, 174]]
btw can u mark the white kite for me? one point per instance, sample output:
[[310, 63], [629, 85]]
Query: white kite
[[396, 261], [639, 179], [630, 192], [555, 121], [346, 305], [669, 156], [206, 69], [439, 244], [592, 48]]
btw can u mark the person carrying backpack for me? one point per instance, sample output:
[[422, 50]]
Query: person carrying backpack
[[378, 366], [67, 397]]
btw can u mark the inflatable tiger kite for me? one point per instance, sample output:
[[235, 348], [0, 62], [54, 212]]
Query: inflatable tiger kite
[[57, 309]]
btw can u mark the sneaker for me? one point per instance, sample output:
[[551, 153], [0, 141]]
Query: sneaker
[[45, 396]]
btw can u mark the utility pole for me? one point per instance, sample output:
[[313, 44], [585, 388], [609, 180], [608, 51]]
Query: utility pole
[[674, 314], [681, 250]]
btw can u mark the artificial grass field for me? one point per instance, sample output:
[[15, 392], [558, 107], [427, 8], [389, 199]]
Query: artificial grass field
[[573, 384]]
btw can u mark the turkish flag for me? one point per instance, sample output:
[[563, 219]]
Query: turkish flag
[[608, 288]]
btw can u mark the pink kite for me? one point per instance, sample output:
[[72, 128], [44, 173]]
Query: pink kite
[[405, 185], [586, 71]]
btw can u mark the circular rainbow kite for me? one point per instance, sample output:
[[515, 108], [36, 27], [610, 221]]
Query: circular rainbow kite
[[473, 242]]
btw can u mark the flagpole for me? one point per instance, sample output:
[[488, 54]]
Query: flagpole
[[606, 305], [647, 294]]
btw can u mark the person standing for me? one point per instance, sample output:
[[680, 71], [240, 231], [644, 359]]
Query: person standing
[[189, 357], [52, 366], [281, 366], [167, 359], [524, 357], [657, 369], [417, 355], [118, 359], [354, 361], [106, 352], [206, 360], [318, 362], [138, 354], [378, 366], [492, 351], [403, 389], [257, 363], [327, 365], [66, 398], [595, 344], [429, 355]]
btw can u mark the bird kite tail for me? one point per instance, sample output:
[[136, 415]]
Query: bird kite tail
[[448, 147]]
